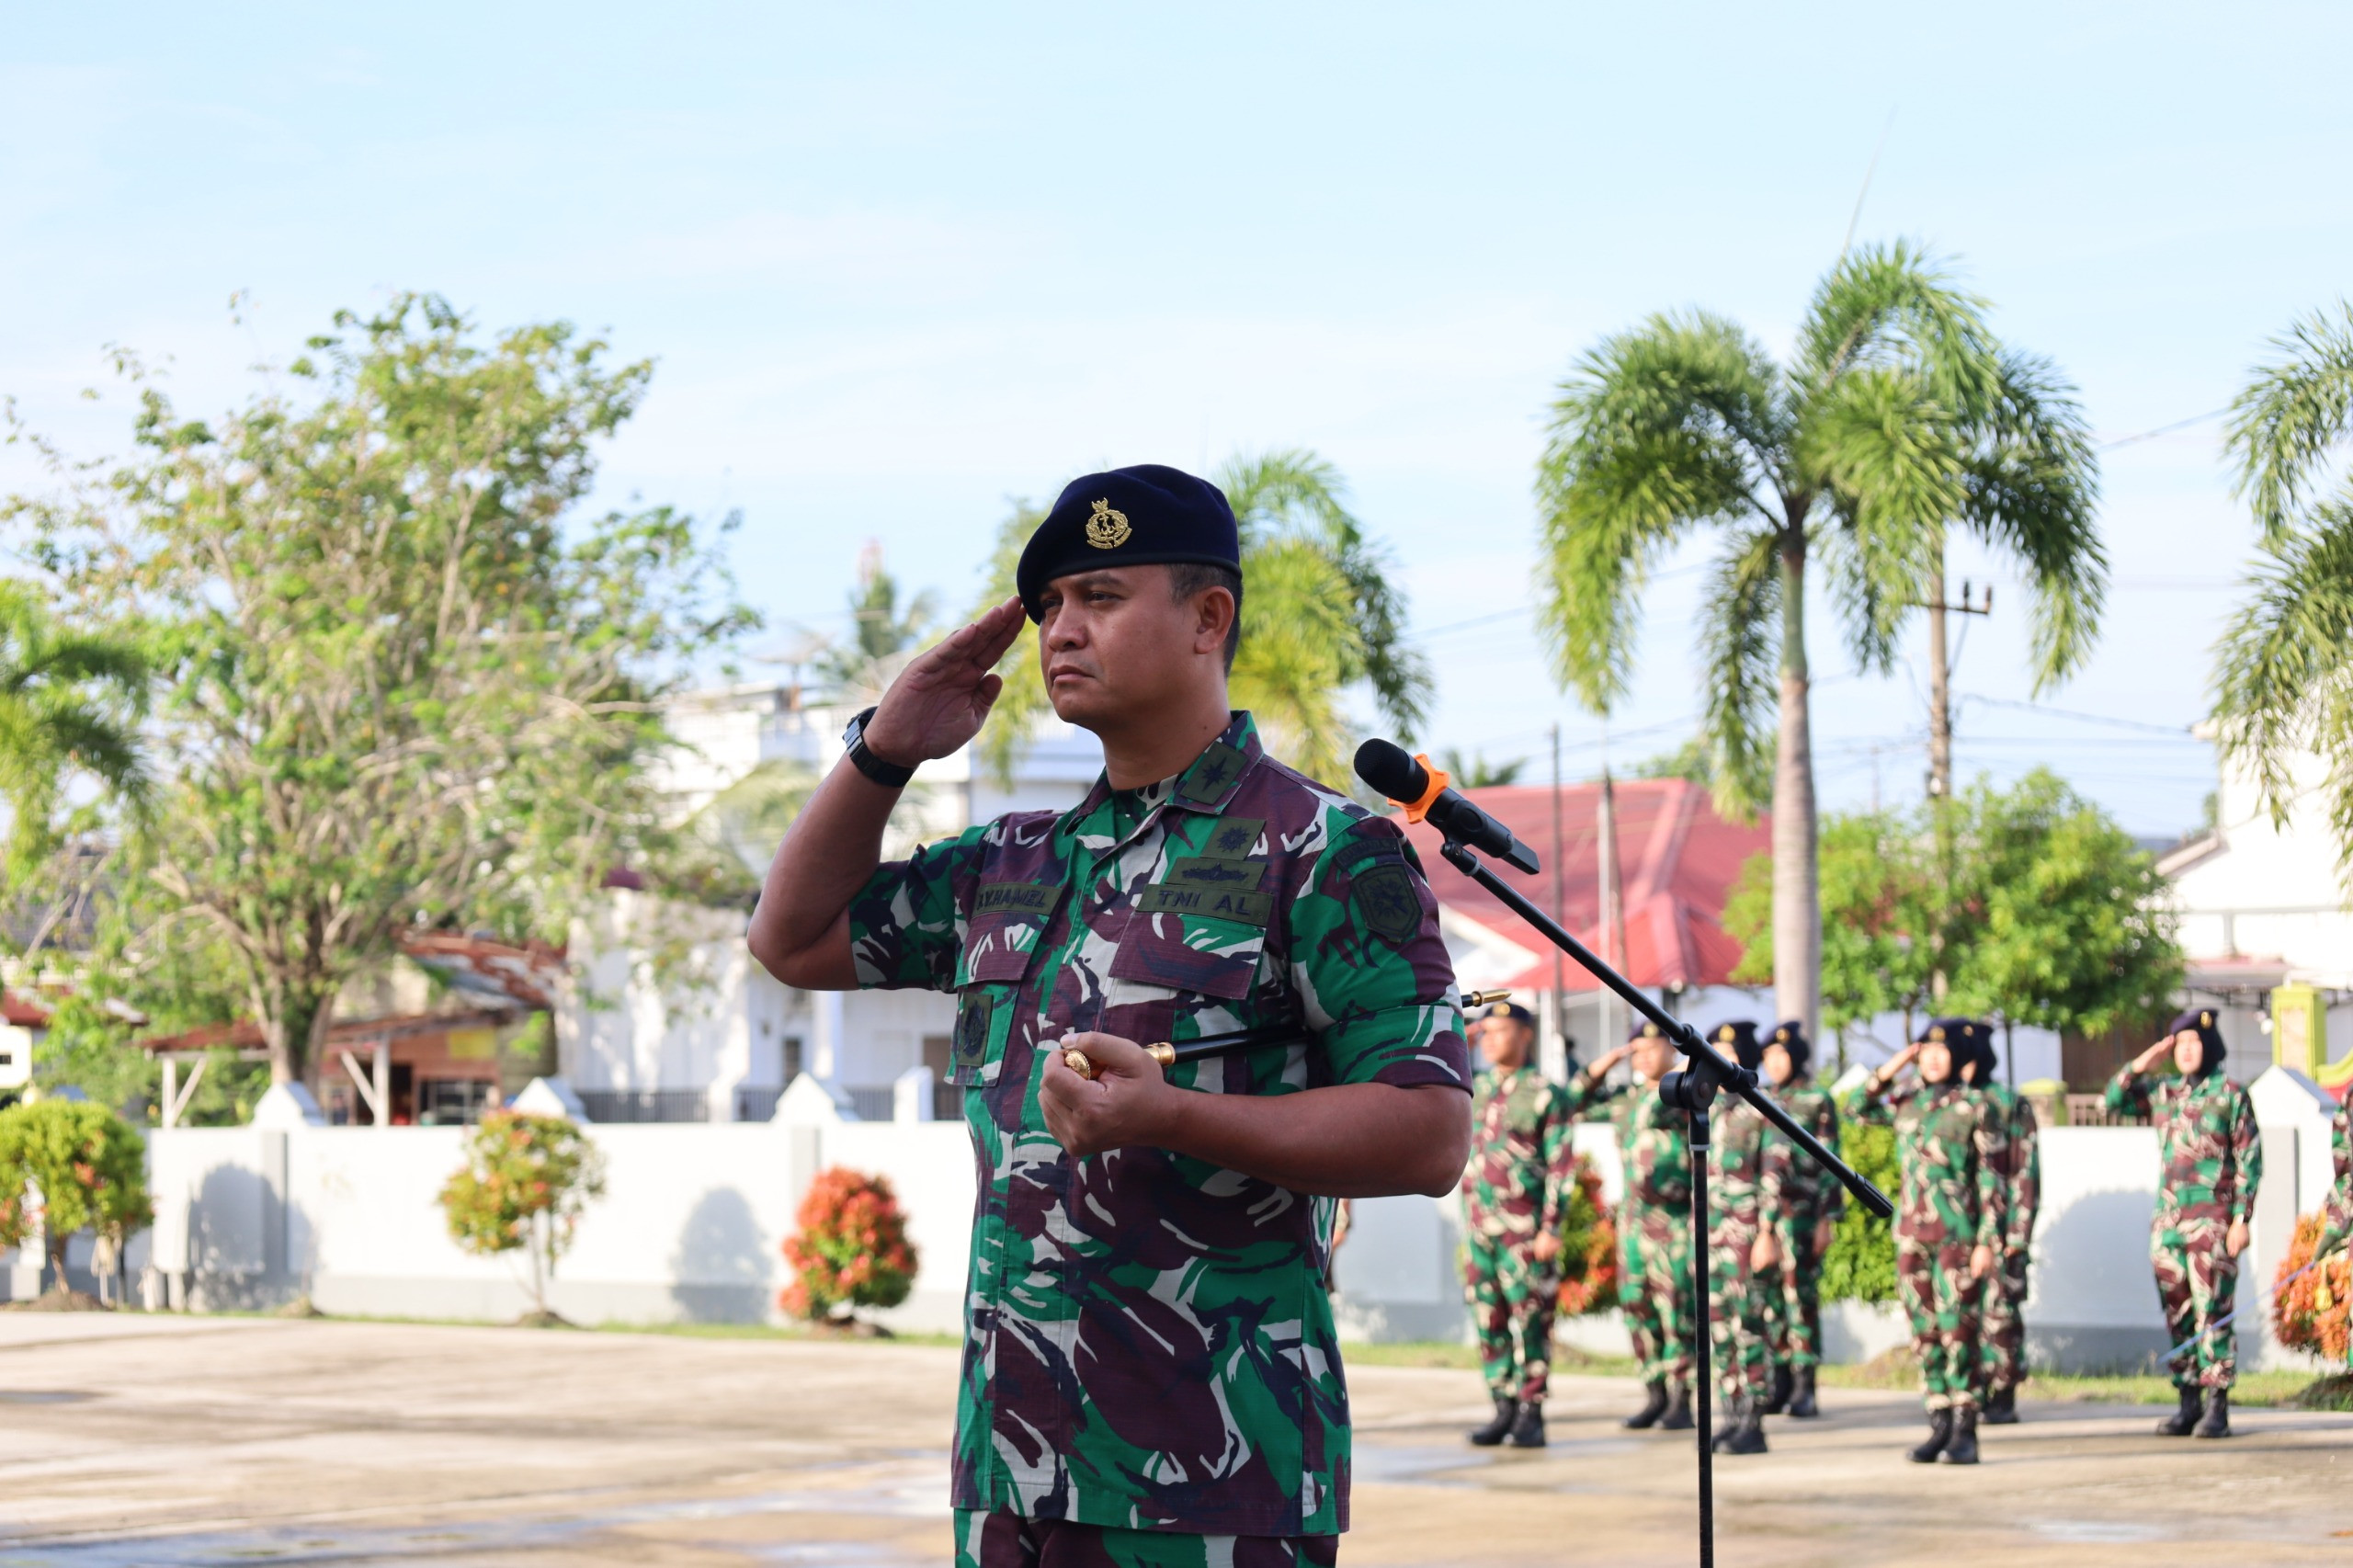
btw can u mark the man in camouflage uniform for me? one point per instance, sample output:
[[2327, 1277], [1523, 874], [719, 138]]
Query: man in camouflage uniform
[[1743, 1252], [1654, 1223], [1948, 1226], [2338, 1213], [1517, 1194], [2212, 1163], [1810, 1202], [1150, 1374], [2019, 1164]]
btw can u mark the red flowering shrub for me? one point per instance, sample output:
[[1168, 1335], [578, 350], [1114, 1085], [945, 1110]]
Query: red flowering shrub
[[851, 1250], [2310, 1315], [524, 1184], [1589, 1248]]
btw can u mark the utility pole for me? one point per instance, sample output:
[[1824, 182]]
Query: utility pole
[[1561, 917], [1941, 729], [1613, 931]]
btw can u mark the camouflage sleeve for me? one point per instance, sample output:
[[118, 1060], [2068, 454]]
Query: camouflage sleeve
[[2340, 1193], [1868, 1106], [1370, 965], [1830, 1192], [1993, 1195], [1779, 1180], [1560, 1164], [2128, 1093], [2025, 1176], [907, 925], [1583, 1094], [2246, 1150]]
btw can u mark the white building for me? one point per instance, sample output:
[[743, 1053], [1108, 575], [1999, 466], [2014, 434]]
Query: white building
[[2262, 906], [724, 1048]]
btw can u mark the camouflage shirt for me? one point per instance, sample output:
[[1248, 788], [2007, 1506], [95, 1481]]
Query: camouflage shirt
[[1796, 1188], [1522, 1156], [1653, 1156], [2207, 1145], [2018, 1160], [2339, 1211], [1737, 1134], [1149, 1343], [1947, 1156]]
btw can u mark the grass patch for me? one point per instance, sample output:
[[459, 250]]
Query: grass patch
[[1567, 1360], [1895, 1369]]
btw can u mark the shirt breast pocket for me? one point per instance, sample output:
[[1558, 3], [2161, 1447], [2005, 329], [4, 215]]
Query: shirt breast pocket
[[1193, 954], [999, 950]]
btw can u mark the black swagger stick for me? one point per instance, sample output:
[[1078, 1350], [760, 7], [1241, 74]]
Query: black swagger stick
[[1426, 794], [1168, 1054]]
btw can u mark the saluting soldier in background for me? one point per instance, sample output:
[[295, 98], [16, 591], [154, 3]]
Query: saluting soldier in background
[[2019, 1161], [1150, 1374], [1947, 1224], [1653, 1225], [1809, 1203], [2211, 1161], [1522, 1162], [1743, 1252]]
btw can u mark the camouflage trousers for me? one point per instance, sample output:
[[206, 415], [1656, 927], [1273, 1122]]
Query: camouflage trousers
[[1793, 1297], [2002, 1331], [1654, 1292], [1933, 1283], [998, 1539], [2197, 1279], [1736, 1311], [1513, 1299]]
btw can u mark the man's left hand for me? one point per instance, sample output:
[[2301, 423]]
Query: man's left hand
[[1123, 1104], [1981, 1262], [2235, 1242], [1545, 1247], [1823, 1229], [1765, 1252]]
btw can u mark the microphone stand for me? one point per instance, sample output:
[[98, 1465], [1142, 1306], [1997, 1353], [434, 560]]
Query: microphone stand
[[1692, 1091]]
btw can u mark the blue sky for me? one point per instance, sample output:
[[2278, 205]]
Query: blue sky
[[899, 263]]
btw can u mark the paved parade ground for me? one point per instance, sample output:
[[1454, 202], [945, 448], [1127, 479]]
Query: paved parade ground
[[131, 1442]]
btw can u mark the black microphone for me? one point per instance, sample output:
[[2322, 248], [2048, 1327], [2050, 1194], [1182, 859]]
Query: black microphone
[[1388, 768]]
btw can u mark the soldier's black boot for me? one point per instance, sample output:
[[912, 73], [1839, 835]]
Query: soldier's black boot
[[1678, 1412], [1963, 1449], [1802, 1404], [1940, 1433], [2001, 1407], [1654, 1406], [2217, 1421], [1747, 1435], [1527, 1427], [1506, 1411], [1784, 1384], [2179, 1423]]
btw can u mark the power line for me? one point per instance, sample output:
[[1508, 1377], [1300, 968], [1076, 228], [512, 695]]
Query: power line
[[2181, 730], [2163, 429]]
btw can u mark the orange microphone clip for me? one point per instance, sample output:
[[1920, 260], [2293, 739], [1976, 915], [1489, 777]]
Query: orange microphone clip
[[1439, 778]]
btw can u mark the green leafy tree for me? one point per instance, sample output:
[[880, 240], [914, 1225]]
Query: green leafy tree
[[404, 681], [1878, 905], [1687, 761], [2052, 915], [883, 634], [1860, 1264], [1319, 613], [2284, 685], [70, 702], [69, 1166], [1475, 772], [1898, 417], [525, 1184]]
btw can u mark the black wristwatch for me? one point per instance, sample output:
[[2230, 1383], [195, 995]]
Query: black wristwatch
[[889, 774]]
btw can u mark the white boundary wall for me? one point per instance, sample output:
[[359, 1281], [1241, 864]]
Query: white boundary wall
[[693, 1218]]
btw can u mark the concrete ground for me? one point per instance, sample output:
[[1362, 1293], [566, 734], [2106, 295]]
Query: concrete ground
[[132, 1442]]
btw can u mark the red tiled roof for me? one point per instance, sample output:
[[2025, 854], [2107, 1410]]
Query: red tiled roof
[[24, 1014], [1677, 862], [486, 968], [245, 1034]]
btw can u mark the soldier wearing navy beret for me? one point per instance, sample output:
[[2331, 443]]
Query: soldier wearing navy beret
[[1151, 1372]]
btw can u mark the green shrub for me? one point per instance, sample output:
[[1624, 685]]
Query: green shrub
[[1860, 1265], [69, 1166]]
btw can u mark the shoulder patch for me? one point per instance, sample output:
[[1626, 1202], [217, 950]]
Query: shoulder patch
[[1382, 896], [1213, 777]]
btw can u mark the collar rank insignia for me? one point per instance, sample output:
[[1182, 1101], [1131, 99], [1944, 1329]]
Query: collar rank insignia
[[1108, 527]]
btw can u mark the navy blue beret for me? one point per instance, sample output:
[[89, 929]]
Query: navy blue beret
[[1144, 516], [1741, 1035], [1511, 1010]]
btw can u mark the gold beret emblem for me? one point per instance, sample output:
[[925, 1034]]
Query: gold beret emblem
[[1650, 1031], [1936, 1035], [2205, 1020], [1108, 528]]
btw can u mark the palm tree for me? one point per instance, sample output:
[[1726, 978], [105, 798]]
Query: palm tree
[[70, 702], [2284, 685], [882, 638], [1319, 613], [1897, 418]]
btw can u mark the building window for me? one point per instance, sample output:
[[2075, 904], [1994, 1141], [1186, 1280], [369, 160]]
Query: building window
[[445, 1102], [791, 1059]]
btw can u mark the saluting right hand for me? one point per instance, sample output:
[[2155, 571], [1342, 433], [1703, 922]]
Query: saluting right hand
[[939, 701], [2149, 1058], [1608, 1059]]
